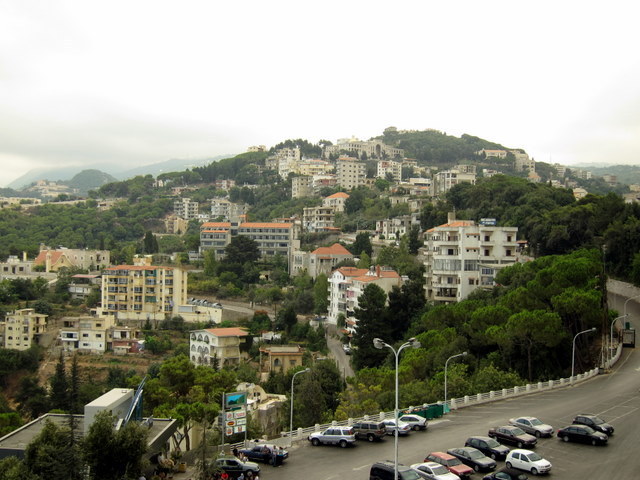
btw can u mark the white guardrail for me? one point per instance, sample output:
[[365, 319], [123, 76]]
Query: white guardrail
[[455, 403]]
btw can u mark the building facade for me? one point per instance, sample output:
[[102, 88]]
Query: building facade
[[372, 149], [318, 219], [86, 334], [391, 168], [443, 181], [336, 201], [54, 259], [350, 172], [461, 257], [185, 208], [321, 261], [223, 344], [22, 328]]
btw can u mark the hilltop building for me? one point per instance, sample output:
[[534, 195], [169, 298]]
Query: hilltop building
[[336, 201], [53, 259], [22, 328], [185, 208], [371, 149], [321, 260], [462, 256], [351, 173], [223, 344]]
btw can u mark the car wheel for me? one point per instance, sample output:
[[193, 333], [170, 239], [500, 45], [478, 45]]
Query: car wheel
[[371, 437], [520, 445], [534, 471], [476, 468], [538, 433], [565, 438], [494, 456], [249, 472], [508, 464], [315, 442], [416, 427], [343, 444]]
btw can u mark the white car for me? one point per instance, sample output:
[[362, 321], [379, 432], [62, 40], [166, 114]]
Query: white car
[[415, 421], [532, 426], [527, 460], [433, 471], [403, 428]]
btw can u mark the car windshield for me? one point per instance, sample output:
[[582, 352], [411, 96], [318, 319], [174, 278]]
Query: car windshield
[[453, 462], [517, 431], [597, 421], [535, 421], [534, 457], [475, 454], [589, 430], [440, 470], [491, 443], [409, 475]]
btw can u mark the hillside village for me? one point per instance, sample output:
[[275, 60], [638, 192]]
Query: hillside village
[[251, 268]]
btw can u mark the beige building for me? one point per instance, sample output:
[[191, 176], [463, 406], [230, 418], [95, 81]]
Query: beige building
[[321, 260], [185, 208], [57, 258], [372, 149], [129, 291], [443, 181], [86, 334], [336, 201], [280, 358], [222, 207], [394, 169], [318, 219], [351, 173], [301, 186], [220, 343], [22, 328]]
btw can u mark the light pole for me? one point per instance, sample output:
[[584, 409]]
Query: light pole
[[378, 343], [624, 312], [573, 351], [291, 420], [611, 336], [446, 399]]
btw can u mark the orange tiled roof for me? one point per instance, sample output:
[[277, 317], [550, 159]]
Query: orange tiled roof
[[228, 332], [215, 225], [265, 225], [339, 195], [456, 224], [335, 249], [352, 271], [138, 267], [42, 257]]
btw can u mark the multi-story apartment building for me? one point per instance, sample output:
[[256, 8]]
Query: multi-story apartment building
[[57, 258], [336, 201], [222, 207], [287, 160], [461, 256], [301, 186], [395, 227], [346, 284], [273, 238], [522, 162], [351, 173], [393, 169], [321, 260], [220, 343], [313, 167], [129, 291], [502, 154], [22, 328], [82, 285], [372, 149], [185, 208], [318, 219], [443, 181], [86, 334], [14, 266]]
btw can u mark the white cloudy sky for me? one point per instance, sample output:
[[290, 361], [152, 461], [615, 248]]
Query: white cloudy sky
[[138, 82]]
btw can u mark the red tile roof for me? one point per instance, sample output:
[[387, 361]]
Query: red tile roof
[[335, 249], [42, 257], [137, 267], [456, 224], [265, 225], [228, 332], [339, 195]]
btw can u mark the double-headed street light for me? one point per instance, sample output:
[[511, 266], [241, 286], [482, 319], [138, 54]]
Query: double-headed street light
[[446, 399], [573, 351], [624, 308], [378, 343], [291, 420]]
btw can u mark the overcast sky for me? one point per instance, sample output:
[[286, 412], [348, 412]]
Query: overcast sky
[[139, 82]]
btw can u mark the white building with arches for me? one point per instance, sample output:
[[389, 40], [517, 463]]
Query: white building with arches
[[221, 343]]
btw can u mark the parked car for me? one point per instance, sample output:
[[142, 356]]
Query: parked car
[[416, 422], [528, 460], [532, 426], [489, 446], [513, 435], [390, 425], [506, 474], [266, 453], [453, 464], [433, 471], [582, 434], [234, 466], [369, 430], [347, 348], [386, 471], [341, 436], [473, 458], [594, 422]]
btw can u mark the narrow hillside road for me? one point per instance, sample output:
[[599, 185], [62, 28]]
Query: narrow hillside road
[[337, 353]]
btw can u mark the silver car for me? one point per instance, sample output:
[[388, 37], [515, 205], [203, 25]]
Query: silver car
[[415, 421], [532, 426], [341, 436]]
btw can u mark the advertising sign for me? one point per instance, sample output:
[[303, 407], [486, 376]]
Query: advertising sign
[[235, 400]]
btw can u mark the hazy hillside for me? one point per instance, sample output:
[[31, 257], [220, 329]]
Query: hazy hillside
[[90, 180]]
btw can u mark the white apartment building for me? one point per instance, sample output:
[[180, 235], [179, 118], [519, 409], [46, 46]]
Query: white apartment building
[[185, 208], [130, 291], [222, 207], [394, 169], [372, 148], [22, 328], [443, 181], [461, 256], [346, 284], [321, 260], [221, 343], [351, 173], [86, 334], [301, 186], [394, 228], [336, 201], [313, 167], [318, 219], [287, 161], [522, 162]]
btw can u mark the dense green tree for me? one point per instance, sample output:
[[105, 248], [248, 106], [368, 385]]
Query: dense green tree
[[362, 244], [52, 454], [60, 386], [372, 323], [320, 289]]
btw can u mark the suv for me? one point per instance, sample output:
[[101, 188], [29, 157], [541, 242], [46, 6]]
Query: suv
[[489, 446], [594, 422], [386, 471], [234, 466], [370, 430], [342, 436]]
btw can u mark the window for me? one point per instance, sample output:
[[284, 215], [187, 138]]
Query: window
[[486, 252]]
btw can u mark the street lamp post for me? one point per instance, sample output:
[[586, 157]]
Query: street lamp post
[[378, 343], [446, 399], [573, 351], [291, 412], [624, 312], [611, 334]]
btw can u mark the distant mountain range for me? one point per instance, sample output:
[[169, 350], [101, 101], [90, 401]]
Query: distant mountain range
[[66, 174]]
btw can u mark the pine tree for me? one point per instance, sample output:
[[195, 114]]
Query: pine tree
[[60, 386]]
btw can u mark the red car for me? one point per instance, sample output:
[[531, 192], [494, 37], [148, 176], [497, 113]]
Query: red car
[[453, 464]]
